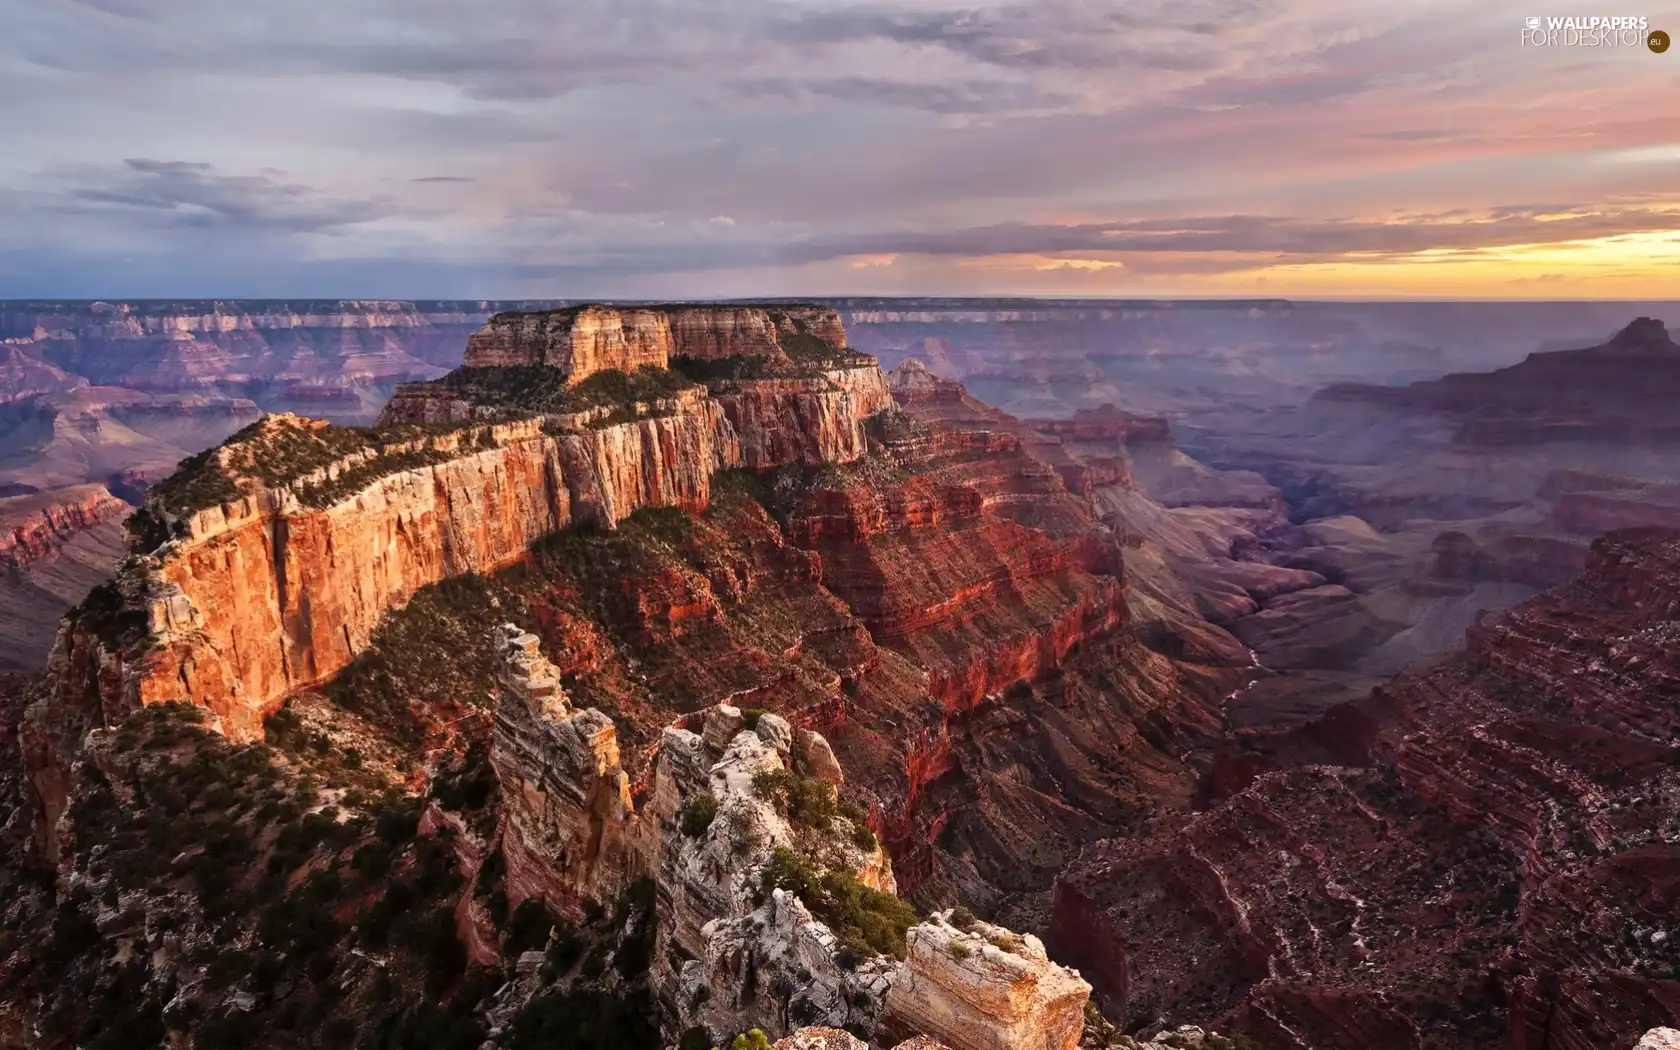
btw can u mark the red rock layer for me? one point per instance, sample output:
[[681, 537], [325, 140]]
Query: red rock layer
[[36, 527], [1496, 869]]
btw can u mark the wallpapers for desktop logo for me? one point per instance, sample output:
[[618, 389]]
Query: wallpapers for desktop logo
[[1612, 31]]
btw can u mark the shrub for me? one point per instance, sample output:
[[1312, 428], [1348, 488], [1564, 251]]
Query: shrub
[[528, 928], [696, 814], [585, 1020], [806, 802], [863, 918]]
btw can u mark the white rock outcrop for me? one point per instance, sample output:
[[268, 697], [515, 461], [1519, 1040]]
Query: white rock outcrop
[[985, 988]]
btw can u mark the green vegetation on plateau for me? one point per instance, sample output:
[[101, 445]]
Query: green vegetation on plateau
[[539, 389]]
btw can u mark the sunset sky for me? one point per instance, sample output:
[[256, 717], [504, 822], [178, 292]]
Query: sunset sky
[[689, 148]]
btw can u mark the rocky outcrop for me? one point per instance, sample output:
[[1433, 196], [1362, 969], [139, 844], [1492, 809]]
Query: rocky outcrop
[[36, 527], [729, 951], [578, 341], [733, 949], [298, 582], [1660, 1039], [985, 988], [1510, 811], [581, 341], [569, 830]]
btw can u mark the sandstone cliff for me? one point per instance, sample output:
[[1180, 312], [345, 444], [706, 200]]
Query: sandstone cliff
[[279, 583], [984, 987]]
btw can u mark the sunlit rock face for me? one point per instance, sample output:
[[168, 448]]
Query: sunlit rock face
[[581, 341], [271, 590], [729, 953], [732, 951], [985, 988]]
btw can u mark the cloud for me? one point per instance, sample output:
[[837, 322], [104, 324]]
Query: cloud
[[594, 143], [964, 97], [1046, 34], [194, 195]]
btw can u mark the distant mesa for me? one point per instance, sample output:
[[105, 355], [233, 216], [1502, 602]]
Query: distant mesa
[[1626, 389], [583, 340]]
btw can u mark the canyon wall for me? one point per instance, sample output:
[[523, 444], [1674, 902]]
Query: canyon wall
[[1479, 854], [274, 587], [54, 547]]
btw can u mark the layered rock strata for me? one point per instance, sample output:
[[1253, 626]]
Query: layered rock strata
[[271, 591], [1481, 854], [54, 546], [581, 341], [987, 988], [35, 528]]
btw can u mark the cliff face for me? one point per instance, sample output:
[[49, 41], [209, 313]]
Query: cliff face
[[281, 578], [584, 340], [268, 594], [54, 547], [985, 987], [1481, 854], [35, 528]]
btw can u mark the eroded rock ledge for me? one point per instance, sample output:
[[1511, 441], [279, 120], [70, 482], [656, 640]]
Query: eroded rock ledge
[[737, 876]]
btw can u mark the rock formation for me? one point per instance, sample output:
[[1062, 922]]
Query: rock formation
[[581, 341], [734, 948], [389, 517], [328, 358], [986, 988], [1510, 811], [569, 830], [54, 547]]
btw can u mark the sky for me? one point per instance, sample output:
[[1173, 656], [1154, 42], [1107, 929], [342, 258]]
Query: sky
[[711, 148]]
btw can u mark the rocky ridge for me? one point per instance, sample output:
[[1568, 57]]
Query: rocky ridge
[[391, 515], [1478, 855], [54, 547], [736, 946]]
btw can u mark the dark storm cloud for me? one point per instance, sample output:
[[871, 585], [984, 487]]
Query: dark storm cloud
[[193, 194]]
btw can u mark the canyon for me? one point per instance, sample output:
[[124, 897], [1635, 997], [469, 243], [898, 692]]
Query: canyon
[[1479, 853], [687, 669]]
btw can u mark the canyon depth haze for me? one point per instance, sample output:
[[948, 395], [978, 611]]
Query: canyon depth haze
[[763, 525]]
